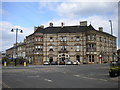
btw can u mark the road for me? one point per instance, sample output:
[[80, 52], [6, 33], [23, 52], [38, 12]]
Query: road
[[59, 76]]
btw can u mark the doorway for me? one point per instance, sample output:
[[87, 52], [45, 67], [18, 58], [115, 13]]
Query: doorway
[[51, 59], [78, 58]]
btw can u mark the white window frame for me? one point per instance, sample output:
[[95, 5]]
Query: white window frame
[[77, 39]]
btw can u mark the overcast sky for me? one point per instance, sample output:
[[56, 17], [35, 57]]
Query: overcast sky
[[26, 15]]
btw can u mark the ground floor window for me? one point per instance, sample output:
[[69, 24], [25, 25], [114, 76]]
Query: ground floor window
[[91, 58]]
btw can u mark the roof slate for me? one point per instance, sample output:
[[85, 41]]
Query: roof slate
[[65, 29], [68, 29]]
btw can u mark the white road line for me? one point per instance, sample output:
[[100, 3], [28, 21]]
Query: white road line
[[90, 78], [103, 80], [33, 76], [48, 80], [64, 72], [86, 77], [77, 75]]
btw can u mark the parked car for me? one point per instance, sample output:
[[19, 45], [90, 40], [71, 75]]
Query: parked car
[[54, 63], [75, 62], [69, 62], [46, 63], [61, 63]]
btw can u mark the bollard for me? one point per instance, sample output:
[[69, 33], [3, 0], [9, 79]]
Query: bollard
[[4, 63], [24, 63]]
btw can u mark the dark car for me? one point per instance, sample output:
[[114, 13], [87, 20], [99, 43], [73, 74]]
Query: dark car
[[61, 63], [54, 63]]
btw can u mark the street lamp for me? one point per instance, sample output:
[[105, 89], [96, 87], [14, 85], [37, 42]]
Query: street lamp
[[111, 26], [111, 41], [21, 31]]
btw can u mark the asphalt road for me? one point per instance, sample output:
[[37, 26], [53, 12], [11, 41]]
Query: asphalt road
[[58, 76]]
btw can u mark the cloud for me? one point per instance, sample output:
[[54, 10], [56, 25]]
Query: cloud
[[80, 9], [8, 37]]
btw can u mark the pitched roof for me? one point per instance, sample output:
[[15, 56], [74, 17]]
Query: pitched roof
[[65, 29], [68, 29]]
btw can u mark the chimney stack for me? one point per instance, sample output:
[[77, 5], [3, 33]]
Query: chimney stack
[[35, 28], [83, 23], [101, 29], [42, 26], [51, 24]]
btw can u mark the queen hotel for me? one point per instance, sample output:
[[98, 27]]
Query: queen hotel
[[81, 42]]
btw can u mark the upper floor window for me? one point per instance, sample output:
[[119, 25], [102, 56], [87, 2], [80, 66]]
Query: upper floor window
[[51, 48], [91, 47], [39, 39], [63, 47], [100, 39], [77, 38], [91, 37], [38, 48], [51, 38], [77, 48], [105, 40], [63, 38], [88, 37]]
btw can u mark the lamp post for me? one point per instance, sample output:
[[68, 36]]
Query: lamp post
[[111, 26], [111, 41], [21, 31]]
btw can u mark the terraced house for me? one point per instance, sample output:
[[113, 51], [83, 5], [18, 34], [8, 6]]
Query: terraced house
[[81, 42]]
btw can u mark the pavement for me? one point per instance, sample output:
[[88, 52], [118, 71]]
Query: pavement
[[58, 76]]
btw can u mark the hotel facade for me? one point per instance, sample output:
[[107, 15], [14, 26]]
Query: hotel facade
[[81, 42]]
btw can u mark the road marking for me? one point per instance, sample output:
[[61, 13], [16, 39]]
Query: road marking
[[103, 80], [48, 80], [33, 76], [93, 78], [86, 77], [77, 75], [115, 79], [64, 72]]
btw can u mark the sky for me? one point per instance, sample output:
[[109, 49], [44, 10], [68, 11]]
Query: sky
[[26, 15]]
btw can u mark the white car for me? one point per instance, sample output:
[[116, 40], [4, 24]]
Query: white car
[[69, 62], [46, 63], [76, 62]]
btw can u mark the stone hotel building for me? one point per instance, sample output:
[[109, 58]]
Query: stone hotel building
[[81, 42]]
